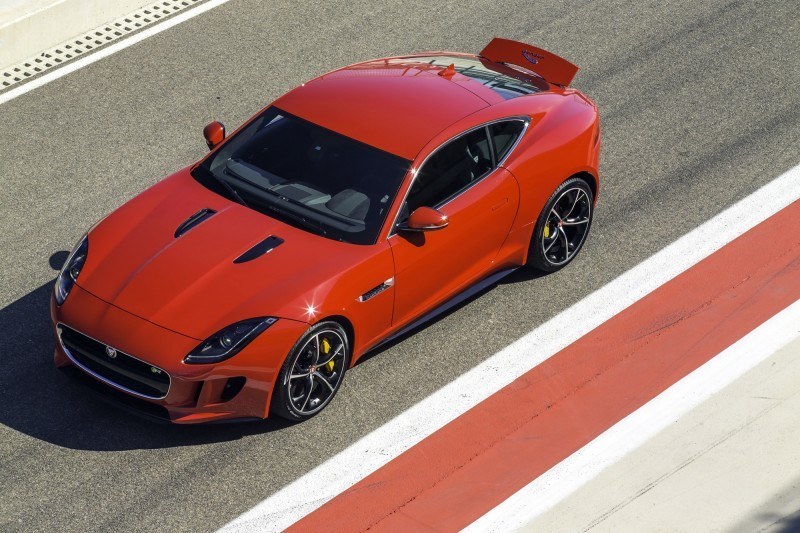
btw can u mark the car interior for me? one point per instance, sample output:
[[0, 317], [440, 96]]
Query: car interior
[[451, 169], [325, 176]]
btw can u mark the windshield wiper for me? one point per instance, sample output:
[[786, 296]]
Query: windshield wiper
[[308, 224], [303, 221], [229, 171], [241, 177], [229, 188]]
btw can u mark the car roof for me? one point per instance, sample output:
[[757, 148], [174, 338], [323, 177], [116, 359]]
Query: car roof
[[395, 104]]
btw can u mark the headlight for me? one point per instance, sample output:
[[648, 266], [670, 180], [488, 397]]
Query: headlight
[[71, 270], [229, 341]]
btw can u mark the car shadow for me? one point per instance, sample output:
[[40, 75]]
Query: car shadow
[[522, 275], [38, 400]]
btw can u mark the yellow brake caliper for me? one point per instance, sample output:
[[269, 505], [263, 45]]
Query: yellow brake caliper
[[326, 349], [547, 231]]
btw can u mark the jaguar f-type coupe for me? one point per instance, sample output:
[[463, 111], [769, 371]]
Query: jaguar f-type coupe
[[345, 213]]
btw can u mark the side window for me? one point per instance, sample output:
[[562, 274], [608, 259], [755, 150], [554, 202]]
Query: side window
[[449, 170], [504, 135]]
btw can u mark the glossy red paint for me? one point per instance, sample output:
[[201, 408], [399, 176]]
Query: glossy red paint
[[426, 219], [214, 134], [392, 106], [155, 296]]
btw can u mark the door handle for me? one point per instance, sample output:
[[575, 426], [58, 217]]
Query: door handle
[[497, 206]]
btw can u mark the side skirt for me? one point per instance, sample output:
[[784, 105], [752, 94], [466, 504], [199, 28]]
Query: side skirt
[[444, 307]]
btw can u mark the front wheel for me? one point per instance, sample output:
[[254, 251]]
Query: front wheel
[[562, 226], [312, 373]]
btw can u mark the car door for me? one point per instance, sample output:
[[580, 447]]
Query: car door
[[462, 180]]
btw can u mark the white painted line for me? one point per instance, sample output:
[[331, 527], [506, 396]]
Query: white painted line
[[62, 21], [111, 49], [634, 430], [366, 455]]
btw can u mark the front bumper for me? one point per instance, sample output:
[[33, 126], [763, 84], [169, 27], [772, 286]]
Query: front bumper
[[196, 393]]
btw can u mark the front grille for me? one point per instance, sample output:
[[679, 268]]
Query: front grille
[[122, 371]]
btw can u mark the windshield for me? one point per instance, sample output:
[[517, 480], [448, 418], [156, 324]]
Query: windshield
[[308, 176]]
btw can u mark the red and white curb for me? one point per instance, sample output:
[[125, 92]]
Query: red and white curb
[[634, 430], [453, 459]]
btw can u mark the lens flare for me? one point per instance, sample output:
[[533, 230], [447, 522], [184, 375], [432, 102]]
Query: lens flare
[[311, 310]]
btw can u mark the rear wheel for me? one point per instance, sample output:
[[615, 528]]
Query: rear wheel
[[562, 226], [313, 372]]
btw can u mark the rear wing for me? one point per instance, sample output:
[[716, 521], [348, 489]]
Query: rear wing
[[547, 65]]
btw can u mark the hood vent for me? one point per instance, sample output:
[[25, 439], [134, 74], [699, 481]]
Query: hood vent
[[193, 221], [265, 246]]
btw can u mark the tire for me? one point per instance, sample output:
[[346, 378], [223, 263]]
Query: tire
[[306, 383], [562, 226]]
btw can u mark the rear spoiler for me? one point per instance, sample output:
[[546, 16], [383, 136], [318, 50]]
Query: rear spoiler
[[547, 65]]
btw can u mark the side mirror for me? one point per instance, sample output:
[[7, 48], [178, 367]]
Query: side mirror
[[214, 134], [424, 219]]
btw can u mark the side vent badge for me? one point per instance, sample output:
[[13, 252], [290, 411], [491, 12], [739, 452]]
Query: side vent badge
[[376, 290]]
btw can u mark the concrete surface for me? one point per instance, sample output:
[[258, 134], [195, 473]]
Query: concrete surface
[[28, 27], [699, 102], [732, 464]]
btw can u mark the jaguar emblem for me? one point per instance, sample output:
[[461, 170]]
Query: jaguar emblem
[[111, 352]]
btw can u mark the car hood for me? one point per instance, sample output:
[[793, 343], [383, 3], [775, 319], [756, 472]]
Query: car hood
[[190, 284]]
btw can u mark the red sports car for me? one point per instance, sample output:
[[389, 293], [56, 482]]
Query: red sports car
[[351, 209]]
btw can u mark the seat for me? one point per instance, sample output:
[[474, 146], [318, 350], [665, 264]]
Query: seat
[[349, 203]]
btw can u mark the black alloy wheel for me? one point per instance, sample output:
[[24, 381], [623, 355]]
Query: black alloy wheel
[[313, 372], [562, 226]]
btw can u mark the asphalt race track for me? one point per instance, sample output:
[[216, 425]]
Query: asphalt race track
[[699, 107]]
